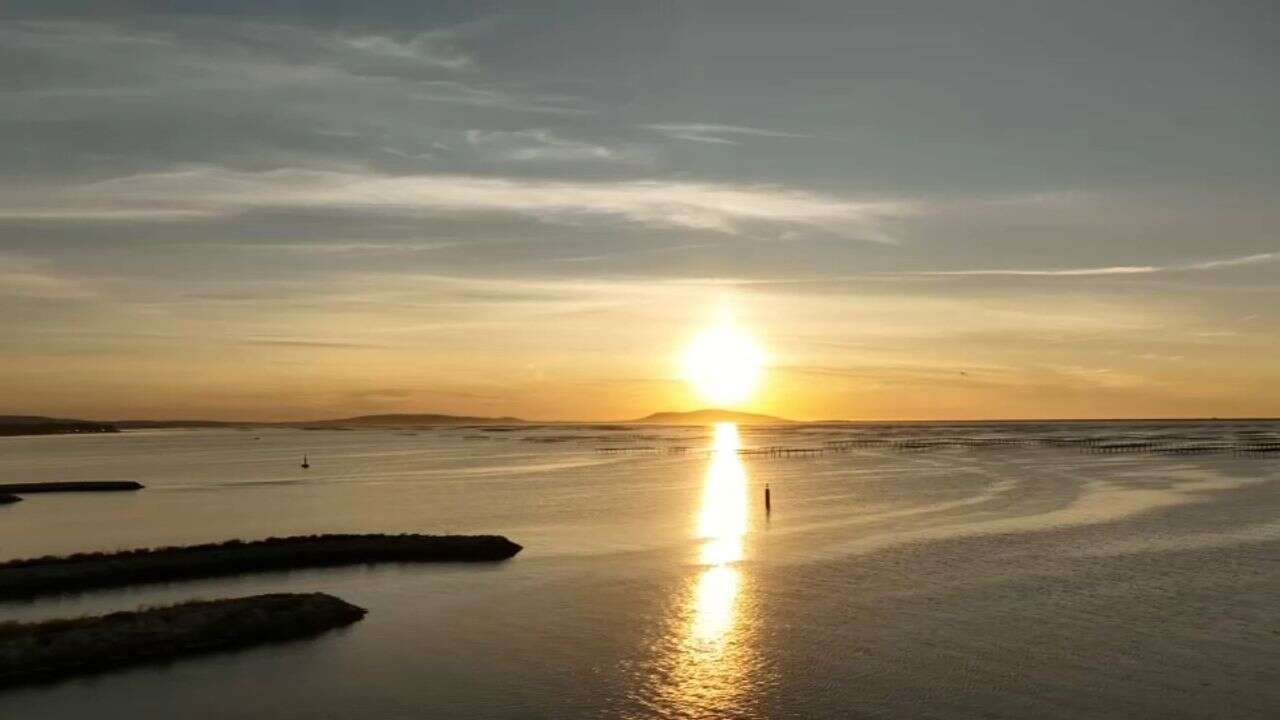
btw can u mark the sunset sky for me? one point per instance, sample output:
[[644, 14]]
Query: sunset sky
[[918, 210]]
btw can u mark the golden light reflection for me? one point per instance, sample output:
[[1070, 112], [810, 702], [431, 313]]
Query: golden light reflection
[[722, 520], [713, 604], [711, 653]]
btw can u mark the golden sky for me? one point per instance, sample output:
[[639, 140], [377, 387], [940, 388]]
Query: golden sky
[[916, 215], [571, 350]]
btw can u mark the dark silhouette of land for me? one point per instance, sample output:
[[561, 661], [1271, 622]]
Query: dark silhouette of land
[[394, 420], [711, 415], [410, 420], [397, 420], [162, 424], [84, 571], [32, 425], [36, 425], [42, 651], [79, 486], [359, 421]]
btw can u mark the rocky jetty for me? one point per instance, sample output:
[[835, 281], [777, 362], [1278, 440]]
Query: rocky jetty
[[54, 649], [52, 487], [84, 571]]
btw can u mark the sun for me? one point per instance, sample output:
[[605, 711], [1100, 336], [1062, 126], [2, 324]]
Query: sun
[[723, 364]]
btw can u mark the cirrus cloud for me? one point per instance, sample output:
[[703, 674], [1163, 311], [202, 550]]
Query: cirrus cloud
[[214, 191], [716, 133]]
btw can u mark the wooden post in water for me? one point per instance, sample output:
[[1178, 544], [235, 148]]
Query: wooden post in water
[[768, 501]]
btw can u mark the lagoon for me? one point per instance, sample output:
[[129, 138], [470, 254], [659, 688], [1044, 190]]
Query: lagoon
[[1002, 576]]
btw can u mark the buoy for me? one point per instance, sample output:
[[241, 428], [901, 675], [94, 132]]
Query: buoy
[[305, 464], [768, 504]]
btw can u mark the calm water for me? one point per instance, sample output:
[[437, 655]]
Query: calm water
[[907, 571]]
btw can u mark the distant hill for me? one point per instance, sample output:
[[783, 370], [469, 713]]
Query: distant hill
[[704, 417], [34, 425], [392, 420], [409, 420], [37, 425], [159, 424]]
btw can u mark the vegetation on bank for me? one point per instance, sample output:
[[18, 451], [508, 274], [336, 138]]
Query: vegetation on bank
[[41, 651], [84, 571], [85, 486]]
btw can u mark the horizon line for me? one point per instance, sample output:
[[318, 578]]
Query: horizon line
[[782, 420]]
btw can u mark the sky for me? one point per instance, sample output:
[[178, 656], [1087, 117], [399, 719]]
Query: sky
[[919, 210]]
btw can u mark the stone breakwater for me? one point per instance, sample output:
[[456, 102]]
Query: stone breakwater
[[53, 487], [83, 571], [54, 649]]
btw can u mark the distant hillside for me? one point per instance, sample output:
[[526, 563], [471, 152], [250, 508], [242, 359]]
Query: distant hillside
[[393, 420], [160, 424], [37, 425], [405, 420], [33, 425], [704, 417]]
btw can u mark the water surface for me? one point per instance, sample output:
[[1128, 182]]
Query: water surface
[[1052, 570]]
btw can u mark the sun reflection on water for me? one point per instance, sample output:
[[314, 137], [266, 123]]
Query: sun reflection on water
[[711, 655], [722, 520], [713, 605]]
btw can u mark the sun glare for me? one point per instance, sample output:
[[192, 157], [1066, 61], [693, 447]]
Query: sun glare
[[723, 364]]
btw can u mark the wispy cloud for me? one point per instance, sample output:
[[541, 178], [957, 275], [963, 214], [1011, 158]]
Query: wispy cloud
[[334, 344], [1255, 259], [631, 253], [460, 93], [96, 60], [715, 133], [973, 377], [346, 249], [1073, 272], [428, 47], [719, 207], [543, 145], [101, 214], [23, 276]]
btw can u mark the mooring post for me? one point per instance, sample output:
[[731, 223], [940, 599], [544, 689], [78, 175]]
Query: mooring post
[[768, 501]]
